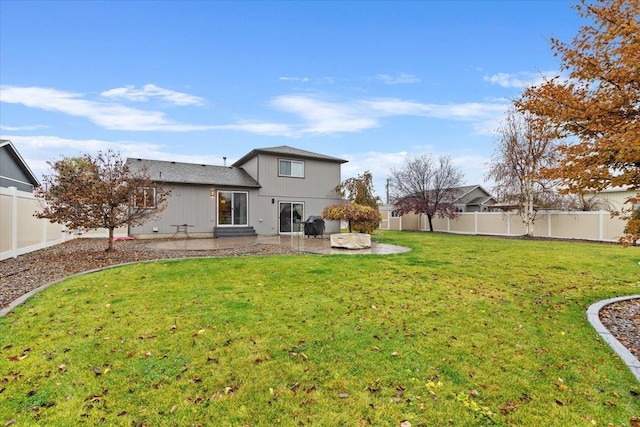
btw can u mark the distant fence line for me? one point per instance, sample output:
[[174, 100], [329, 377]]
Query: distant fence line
[[596, 226], [21, 232]]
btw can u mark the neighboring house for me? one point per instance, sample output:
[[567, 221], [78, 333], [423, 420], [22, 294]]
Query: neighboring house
[[14, 171], [474, 198], [614, 198], [471, 198], [269, 191]]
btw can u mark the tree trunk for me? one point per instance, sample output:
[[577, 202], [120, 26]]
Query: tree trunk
[[110, 247], [528, 208], [430, 223]]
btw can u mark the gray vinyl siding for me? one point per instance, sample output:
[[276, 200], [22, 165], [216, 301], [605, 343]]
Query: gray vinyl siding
[[472, 195], [315, 190], [12, 174], [320, 178], [251, 167], [187, 204]]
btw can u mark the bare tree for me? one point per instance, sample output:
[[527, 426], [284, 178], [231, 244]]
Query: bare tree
[[99, 192], [524, 148], [423, 187]]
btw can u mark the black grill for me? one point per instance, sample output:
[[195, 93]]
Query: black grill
[[314, 226]]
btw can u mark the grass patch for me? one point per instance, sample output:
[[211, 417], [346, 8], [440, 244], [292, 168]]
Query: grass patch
[[460, 331]]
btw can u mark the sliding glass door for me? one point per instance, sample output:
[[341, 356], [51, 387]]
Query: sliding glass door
[[291, 217], [233, 208]]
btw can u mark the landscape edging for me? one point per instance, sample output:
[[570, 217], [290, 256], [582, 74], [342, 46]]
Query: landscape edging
[[593, 315]]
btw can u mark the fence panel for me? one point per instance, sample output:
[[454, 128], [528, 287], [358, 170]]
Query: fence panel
[[597, 226], [21, 232]]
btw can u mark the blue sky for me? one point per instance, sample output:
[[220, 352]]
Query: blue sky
[[369, 82]]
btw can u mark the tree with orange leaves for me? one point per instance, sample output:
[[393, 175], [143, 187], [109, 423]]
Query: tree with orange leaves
[[598, 106]]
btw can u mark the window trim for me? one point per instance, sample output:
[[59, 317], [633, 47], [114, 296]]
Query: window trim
[[291, 162]]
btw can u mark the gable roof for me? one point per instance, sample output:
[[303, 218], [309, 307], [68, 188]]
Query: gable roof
[[479, 201], [469, 188], [8, 146], [463, 191], [285, 150], [192, 173]]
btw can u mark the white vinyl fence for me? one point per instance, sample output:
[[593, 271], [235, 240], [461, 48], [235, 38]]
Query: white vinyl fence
[[21, 232], [597, 226]]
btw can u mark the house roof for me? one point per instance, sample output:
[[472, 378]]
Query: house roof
[[479, 201], [285, 150], [469, 188], [192, 173], [7, 145]]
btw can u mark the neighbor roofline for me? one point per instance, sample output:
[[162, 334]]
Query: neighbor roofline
[[6, 142]]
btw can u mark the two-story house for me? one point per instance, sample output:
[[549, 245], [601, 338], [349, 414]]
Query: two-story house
[[269, 191]]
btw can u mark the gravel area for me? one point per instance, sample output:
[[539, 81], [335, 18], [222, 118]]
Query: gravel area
[[30, 271], [622, 319]]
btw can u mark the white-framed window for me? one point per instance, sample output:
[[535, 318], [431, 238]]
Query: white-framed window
[[291, 168], [145, 198], [395, 214]]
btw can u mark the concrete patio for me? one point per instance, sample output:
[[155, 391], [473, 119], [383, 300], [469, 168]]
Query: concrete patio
[[298, 243]]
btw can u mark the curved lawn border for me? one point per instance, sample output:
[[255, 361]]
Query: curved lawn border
[[593, 314]]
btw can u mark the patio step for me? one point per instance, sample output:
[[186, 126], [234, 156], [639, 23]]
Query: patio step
[[222, 232]]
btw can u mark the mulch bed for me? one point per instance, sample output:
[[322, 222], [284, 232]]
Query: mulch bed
[[25, 273]]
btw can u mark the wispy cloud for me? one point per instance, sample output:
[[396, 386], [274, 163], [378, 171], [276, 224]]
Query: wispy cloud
[[294, 79], [150, 91], [401, 78], [260, 128], [519, 80], [323, 116], [105, 114], [37, 150], [20, 128]]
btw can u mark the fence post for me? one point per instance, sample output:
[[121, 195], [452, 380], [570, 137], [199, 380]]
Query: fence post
[[13, 192], [601, 225], [549, 230], [508, 223], [475, 222]]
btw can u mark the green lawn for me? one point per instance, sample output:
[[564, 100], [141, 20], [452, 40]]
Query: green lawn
[[460, 331]]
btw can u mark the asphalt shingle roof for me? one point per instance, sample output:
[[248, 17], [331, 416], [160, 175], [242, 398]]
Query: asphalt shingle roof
[[191, 173], [285, 150]]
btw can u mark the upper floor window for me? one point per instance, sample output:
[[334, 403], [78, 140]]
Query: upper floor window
[[292, 168], [145, 197]]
